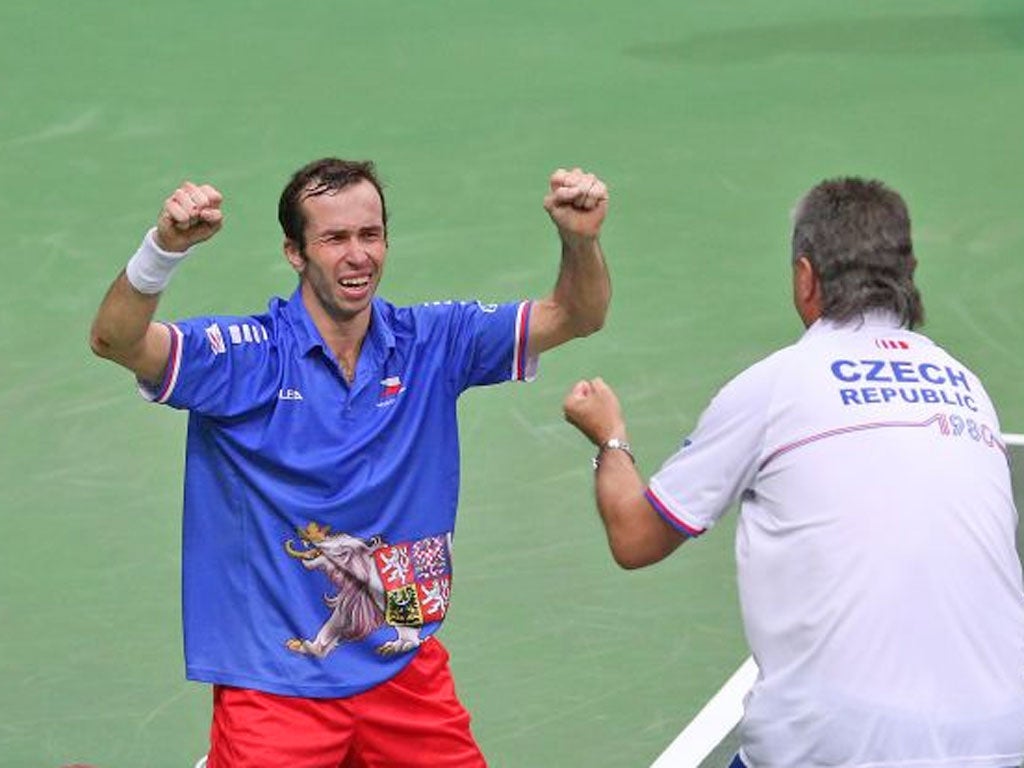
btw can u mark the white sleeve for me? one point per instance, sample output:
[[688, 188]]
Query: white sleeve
[[719, 460]]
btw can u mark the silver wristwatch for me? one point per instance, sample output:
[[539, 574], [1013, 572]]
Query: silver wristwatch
[[613, 444]]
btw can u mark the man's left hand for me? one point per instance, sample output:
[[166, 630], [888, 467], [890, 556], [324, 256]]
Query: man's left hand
[[577, 202]]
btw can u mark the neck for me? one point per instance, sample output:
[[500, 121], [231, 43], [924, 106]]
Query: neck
[[343, 334]]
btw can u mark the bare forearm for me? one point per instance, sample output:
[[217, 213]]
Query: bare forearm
[[120, 328], [123, 330], [583, 289], [579, 302], [637, 535]]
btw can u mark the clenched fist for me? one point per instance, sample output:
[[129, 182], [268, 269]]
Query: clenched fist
[[577, 202], [190, 215], [593, 408]]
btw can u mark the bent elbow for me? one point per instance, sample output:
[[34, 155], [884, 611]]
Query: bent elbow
[[629, 563], [590, 327], [586, 324], [629, 559], [99, 346], [108, 349], [631, 553]]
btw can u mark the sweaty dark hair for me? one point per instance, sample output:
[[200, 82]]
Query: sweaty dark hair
[[856, 234], [324, 176]]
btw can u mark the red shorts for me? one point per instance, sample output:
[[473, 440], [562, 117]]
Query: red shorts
[[414, 719]]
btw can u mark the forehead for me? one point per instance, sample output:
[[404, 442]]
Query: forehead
[[354, 207]]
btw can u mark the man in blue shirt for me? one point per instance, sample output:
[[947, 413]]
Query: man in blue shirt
[[322, 467]]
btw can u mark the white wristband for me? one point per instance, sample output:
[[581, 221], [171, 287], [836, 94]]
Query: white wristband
[[150, 269]]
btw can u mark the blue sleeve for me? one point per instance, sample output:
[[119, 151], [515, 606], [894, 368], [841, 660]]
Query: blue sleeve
[[218, 366], [486, 343]]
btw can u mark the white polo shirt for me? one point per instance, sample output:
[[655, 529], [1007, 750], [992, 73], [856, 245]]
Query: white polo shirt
[[879, 582]]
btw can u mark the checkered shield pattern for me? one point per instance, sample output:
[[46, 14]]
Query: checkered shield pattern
[[417, 580]]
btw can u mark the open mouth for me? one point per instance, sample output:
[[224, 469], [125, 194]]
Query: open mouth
[[354, 283]]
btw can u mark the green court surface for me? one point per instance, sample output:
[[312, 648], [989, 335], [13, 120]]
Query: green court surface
[[707, 119]]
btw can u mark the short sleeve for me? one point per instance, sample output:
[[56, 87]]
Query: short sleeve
[[718, 461], [217, 366], [487, 343]]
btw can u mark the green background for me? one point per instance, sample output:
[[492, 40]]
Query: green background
[[707, 120]]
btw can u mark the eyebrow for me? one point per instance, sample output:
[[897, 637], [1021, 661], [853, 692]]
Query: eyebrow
[[345, 230]]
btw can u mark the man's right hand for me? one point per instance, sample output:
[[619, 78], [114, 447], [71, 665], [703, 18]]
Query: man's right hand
[[593, 408], [190, 215]]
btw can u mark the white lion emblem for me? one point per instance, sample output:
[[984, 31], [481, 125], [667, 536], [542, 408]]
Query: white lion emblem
[[358, 607]]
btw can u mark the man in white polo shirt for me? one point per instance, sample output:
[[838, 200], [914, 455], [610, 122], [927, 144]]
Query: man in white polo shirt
[[880, 587]]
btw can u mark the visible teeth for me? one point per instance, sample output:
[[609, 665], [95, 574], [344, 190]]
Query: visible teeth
[[355, 282]]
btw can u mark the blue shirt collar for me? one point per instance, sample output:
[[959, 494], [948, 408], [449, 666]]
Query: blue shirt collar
[[380, 338]]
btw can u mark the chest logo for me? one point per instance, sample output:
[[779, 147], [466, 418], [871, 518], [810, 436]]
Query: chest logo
[[390, 389], [289, 394]]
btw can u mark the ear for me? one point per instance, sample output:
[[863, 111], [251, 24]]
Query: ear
[[806, 291], [294, 255]]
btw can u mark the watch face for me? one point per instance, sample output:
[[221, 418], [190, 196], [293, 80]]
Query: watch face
[[615, 443]]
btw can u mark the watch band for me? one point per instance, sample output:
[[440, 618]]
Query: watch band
[[613, 444]]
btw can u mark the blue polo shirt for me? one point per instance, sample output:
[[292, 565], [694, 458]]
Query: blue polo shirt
[[318, 514]]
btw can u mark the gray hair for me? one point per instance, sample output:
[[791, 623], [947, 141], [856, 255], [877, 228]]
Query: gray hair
[[856, 234]]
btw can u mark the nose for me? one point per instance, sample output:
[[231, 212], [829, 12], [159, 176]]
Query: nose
[[356, 254]]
